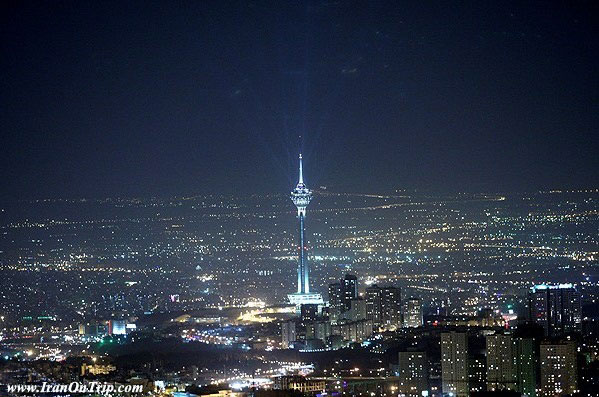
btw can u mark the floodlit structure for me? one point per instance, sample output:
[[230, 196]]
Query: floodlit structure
[[559, 368], [454, 364], [557, 308], [412, 313], [301, 197]]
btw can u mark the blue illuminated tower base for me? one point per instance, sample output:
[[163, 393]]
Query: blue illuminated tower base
[[298, 299]]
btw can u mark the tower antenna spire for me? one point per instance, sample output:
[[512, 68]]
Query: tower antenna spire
[[301, 173]]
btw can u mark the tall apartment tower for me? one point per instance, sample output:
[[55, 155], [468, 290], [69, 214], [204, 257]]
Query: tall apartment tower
[[526, 367], [557, 308], [383, 306], [373, 304], [501, 363], [412, 313], [350, 290], [335, 301], [341, 295], [288, 334], [391, 307], [558, 368], [477, 373], [357, 310], [511, 364], [454, 363], [413, 373]]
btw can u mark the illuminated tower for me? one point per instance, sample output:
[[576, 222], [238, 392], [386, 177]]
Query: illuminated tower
[[301, 197]]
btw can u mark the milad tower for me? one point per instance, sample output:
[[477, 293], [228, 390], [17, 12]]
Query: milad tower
[[301, 197]]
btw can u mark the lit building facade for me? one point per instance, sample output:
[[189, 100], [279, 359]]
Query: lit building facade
[[558, 369], [383, 306], [413, 373], [350, 290], [353, 331], [526, 367], [557, 308], [322, 330], [501, 363], [117, 327], [477, 373], [335, 301], [97, 369], [341, 295], [412, 313], [299, 383], [511, 364], [288, 334], [357, 310], [454, 363]]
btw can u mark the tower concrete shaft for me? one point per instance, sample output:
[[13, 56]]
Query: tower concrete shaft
[[303, 271]]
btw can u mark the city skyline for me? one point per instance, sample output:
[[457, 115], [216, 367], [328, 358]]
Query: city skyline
[[413, 312], [299, 199]]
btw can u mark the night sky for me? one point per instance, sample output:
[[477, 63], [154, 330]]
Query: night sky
[[170, 98]]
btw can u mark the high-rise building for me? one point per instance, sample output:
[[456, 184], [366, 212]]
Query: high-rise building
[[357, 310], [391, 307], [413, 373], [558, 368], [350, 290], [511, 364], [341, 295], [526, 367], [301, 197], [383, 306], [412, 313], [335, 301], [454, 363], [477, 373], [373, 304], [501, 363], [556, 308], [322, 330], [288, 334]]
